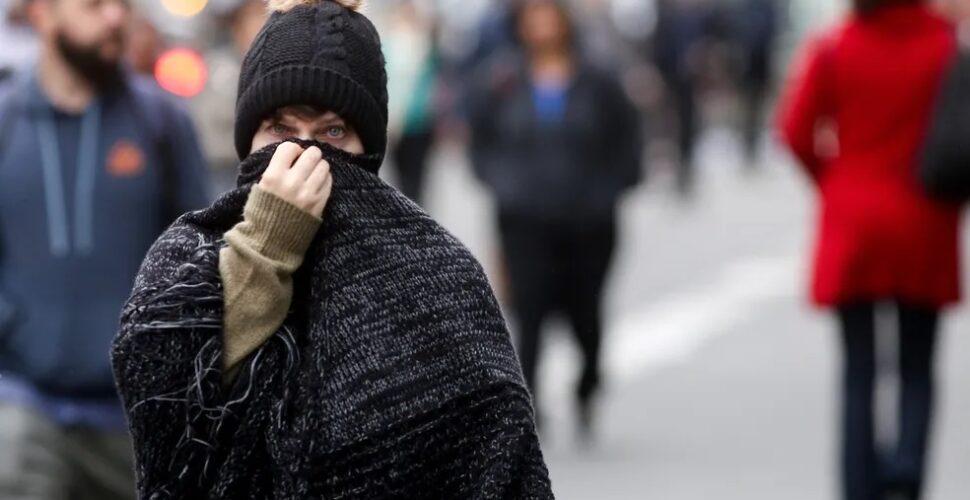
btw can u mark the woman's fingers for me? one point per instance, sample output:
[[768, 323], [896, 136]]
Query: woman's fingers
[[318, 177], [306, 164], [283, 158], [299, 177]]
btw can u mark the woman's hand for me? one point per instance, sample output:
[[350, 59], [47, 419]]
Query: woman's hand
[[299, 177]]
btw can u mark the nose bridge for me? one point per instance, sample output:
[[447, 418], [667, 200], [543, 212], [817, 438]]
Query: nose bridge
[[305, 133]]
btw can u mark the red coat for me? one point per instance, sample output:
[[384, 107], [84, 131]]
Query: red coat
[[855, 116]]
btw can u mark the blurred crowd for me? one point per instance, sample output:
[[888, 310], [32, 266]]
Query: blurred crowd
[[671, 56], [561, 110]]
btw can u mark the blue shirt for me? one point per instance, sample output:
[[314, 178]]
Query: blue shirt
[[550, 102], [82, 198]]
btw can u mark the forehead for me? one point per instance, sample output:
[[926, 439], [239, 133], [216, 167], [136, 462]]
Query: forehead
[[305, 113]]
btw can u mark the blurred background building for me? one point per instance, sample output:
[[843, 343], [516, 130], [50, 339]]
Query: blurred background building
[[719, 380]]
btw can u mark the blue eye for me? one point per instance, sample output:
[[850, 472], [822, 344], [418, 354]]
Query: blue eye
[[336, 132], [279, 130]]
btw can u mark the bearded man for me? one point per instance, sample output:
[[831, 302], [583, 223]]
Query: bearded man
[[94, 164]]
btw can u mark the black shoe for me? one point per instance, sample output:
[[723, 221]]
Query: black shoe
[[899, 483], [585, 428]]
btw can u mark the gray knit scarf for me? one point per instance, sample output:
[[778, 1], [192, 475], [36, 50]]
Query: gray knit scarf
[[392, 377]]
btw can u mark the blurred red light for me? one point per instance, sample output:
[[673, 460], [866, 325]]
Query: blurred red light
[[182, 72]]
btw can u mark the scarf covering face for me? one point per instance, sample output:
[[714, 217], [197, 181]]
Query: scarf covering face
[[392, 377]]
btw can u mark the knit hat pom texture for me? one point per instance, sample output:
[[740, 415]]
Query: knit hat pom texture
[[287, 5]]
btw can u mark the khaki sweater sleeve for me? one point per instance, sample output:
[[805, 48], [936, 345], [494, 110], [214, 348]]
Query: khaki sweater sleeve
[[257, 265]]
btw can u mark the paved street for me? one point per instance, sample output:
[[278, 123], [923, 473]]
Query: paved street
[[721, 379]]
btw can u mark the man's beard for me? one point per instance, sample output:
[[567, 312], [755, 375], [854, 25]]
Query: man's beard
[[87, 62]]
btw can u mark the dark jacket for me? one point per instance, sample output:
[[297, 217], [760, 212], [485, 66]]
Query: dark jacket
[[574, 168], [81, 201], [392, 377]]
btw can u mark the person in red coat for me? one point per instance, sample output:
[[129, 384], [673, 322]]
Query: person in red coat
[[855, 115]]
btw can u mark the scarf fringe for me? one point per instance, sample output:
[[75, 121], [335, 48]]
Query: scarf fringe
[[192, 304]]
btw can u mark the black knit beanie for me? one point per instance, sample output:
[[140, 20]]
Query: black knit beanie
[[321, 53]]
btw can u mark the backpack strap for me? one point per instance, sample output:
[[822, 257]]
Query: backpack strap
[[8, 104]]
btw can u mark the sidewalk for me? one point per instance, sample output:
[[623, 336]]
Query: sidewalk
[[722, 382]]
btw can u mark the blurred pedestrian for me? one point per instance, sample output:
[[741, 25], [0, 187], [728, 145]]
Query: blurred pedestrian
[[755, 32], [214, 109], [412, 67], [94, 163], [683, 27], [558, 142], [855, 115], [494, 34]]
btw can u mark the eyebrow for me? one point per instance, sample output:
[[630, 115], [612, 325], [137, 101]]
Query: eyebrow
[[327, 118]]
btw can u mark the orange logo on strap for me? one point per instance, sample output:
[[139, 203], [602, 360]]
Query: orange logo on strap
[[125, 160]]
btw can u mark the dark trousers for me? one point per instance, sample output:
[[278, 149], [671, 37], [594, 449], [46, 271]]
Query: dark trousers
[[755, 97], [868, 471], [411, 160], [686, 111], [558, 267]]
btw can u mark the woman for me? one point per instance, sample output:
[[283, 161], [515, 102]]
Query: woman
[[313, 334], [854, 117], [557, 141]]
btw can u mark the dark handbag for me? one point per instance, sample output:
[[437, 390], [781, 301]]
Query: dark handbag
[[944, 169]]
